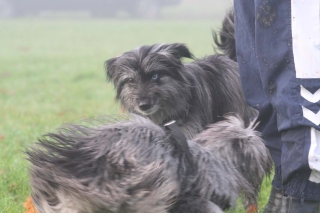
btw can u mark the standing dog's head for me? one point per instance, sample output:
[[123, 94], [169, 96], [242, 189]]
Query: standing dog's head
[[149, 80]]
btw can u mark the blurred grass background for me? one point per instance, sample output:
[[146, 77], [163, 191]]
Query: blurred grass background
[[51, 72]]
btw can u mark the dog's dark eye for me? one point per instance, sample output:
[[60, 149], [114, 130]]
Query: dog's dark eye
[[155, 77]]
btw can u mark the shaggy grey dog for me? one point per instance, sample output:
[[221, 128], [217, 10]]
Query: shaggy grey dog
[[153, 82], [135, 166]]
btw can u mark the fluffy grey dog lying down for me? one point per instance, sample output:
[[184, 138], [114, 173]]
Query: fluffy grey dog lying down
[[134, 166]]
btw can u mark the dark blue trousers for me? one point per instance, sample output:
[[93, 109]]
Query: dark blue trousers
[[278, 68]]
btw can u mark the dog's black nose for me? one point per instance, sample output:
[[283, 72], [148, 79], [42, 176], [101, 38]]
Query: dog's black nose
[[145, 104]]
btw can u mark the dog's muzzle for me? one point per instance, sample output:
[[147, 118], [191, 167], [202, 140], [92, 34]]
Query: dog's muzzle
[[145, 104]]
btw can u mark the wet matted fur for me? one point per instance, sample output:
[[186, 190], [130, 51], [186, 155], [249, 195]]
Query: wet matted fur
[[133, 166], [153, 82]]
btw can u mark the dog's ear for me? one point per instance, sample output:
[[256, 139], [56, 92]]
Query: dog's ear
[[178, 50], [110, 68]]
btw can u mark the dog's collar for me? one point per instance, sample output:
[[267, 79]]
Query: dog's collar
[[182, 144]]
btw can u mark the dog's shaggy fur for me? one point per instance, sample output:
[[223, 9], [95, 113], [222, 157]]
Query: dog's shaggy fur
[[153, 82], [225, 39], [134, 167]]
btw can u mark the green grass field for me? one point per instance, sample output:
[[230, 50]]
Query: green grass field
[[51, 72]]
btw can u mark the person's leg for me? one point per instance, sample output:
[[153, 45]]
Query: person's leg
[[282, 84], [289, 68], [255, 94], [272, 137]]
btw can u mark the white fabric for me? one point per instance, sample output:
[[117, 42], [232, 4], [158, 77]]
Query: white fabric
[[305, 25], [313, 98], [314, 156], [315, 176], [311, 116]]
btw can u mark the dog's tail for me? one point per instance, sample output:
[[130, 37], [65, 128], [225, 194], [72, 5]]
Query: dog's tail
[[242, 147], [225, 38]]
